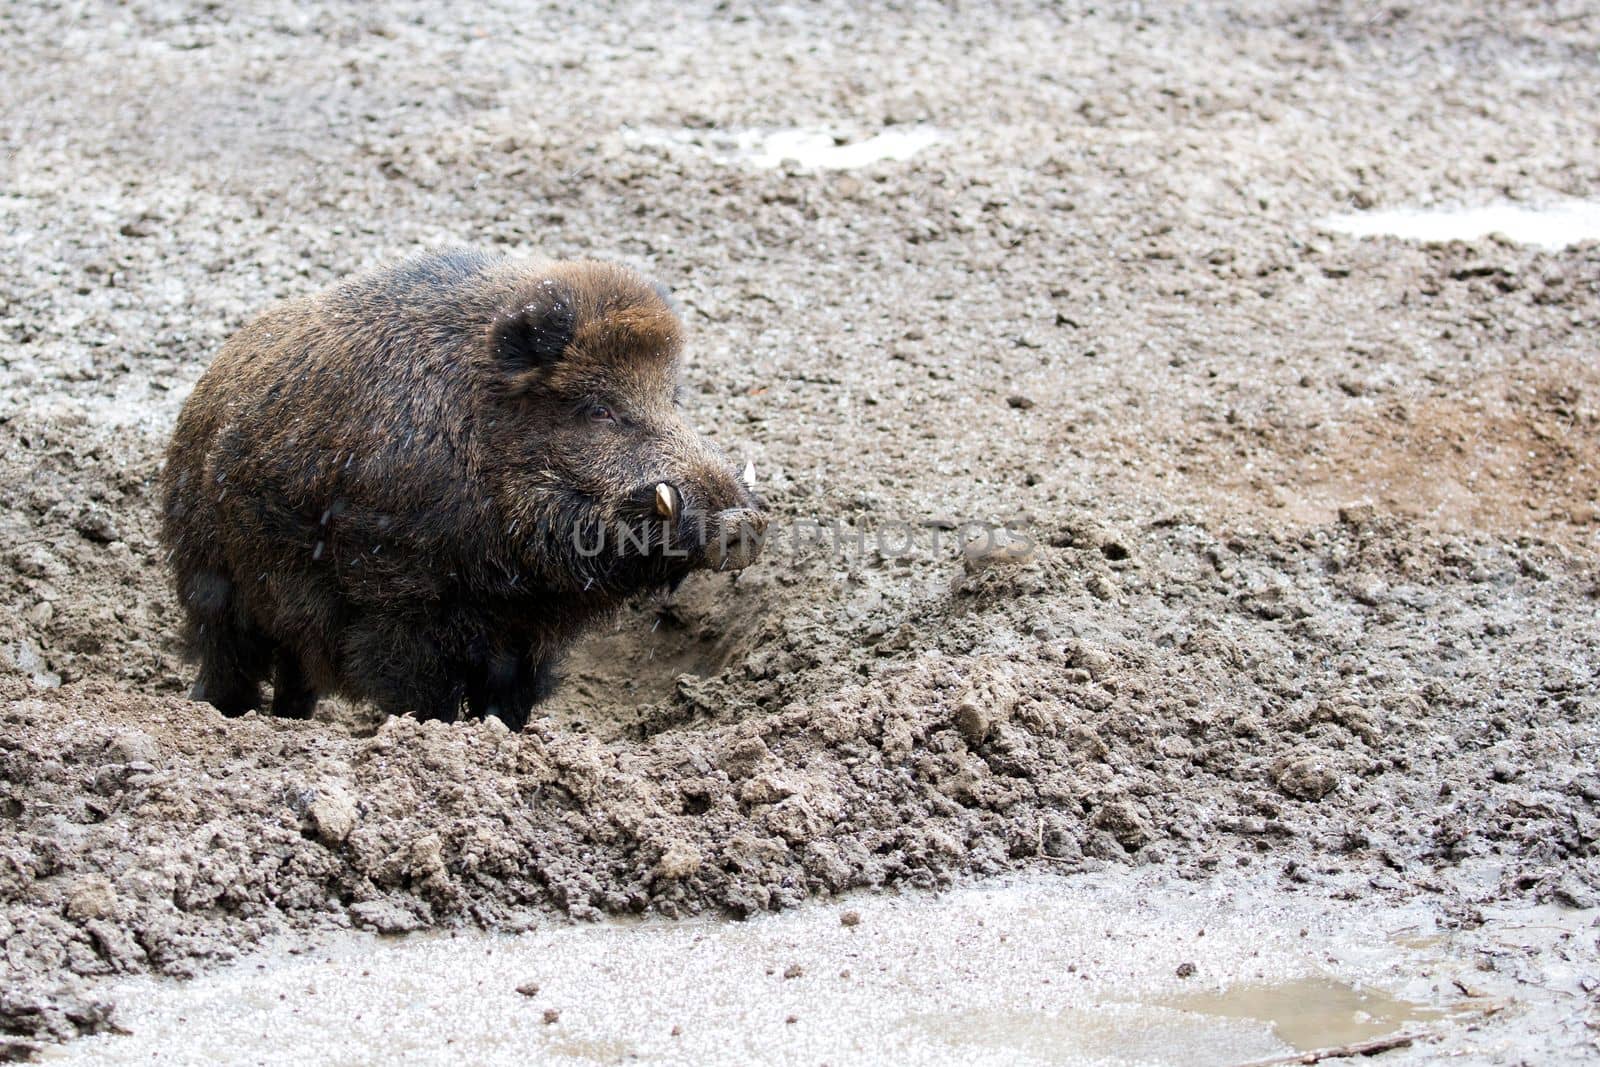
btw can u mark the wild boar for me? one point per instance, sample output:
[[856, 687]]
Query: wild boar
[[418, 487]]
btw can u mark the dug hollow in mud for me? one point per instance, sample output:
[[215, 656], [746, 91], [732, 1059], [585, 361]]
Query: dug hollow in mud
[[418, 487]]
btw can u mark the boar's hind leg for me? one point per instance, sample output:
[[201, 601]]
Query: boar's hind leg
[[233, 661], [542, 681], [293, 696]]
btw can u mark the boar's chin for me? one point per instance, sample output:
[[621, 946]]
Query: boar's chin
[[625, 574], [632, 550]]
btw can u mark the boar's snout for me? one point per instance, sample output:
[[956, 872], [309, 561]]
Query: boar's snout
[[721, 525], [734, 538]]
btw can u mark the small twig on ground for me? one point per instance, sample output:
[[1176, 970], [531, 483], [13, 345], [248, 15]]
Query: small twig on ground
[[1334, 1052]]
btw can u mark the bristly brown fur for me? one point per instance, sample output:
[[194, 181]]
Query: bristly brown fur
[[382, 490]]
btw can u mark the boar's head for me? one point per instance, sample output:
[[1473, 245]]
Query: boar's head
[[597, 464]]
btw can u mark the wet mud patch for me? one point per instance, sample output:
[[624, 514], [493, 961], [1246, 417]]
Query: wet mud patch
[[1311, 1013], [1167, 694], [1515, 452], [83, 579], [1093, 970]]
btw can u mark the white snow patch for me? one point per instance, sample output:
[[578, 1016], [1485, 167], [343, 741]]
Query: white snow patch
[[823, 150], [816, 148], [1554, 227]]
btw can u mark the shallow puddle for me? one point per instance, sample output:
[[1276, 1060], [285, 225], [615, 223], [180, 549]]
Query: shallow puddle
[[1311, 1013], [1103, 1034], [821, 149]]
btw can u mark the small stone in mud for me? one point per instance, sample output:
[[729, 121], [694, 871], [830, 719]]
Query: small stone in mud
[[679, 861], [972, 720], [794, 970], [529, 989], [132, 746], [385, 916], [1092, 658], [742, 757], [1358, 515], [333, 817], [96, 525], [1368, 589], [995, 547], [1185, 970], [91, 898], [1125, 823], [850, 918], [552, 1015], [41, 614], [1307, 778], [767, 789], [36, 561]]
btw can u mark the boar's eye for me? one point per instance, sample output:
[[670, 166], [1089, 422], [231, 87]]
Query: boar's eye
[[601, 413]]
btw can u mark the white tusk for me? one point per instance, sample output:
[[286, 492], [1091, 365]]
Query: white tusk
[[749, 474], [666, 503]]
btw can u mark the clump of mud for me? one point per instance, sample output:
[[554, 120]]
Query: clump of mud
[[1311, 584]]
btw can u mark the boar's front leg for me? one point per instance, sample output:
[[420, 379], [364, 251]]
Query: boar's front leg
[[508, 687], [397, 661]]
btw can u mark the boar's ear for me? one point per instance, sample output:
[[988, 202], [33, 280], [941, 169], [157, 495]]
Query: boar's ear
[[533, 337], [666, 296]]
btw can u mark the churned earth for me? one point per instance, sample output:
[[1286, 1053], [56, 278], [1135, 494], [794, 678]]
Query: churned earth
[[1309, 589]]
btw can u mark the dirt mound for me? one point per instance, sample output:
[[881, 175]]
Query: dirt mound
[[1147, 699]]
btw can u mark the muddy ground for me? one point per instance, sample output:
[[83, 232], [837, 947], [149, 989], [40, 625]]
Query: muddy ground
[[1316, 519]]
